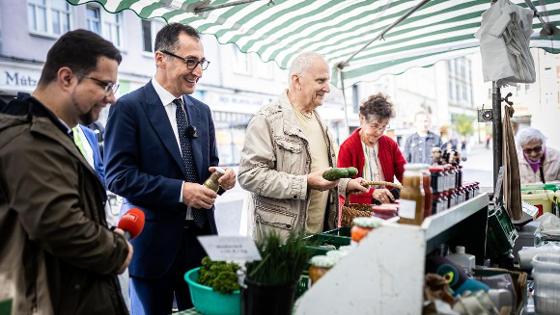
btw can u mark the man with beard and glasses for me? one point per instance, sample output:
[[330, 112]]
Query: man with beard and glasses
[[57, 251], [160, 146]]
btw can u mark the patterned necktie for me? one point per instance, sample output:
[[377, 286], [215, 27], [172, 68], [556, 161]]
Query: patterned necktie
[[187, 155]]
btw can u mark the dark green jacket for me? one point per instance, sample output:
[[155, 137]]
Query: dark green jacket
[[55, 247]]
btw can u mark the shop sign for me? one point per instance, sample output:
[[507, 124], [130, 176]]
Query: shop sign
[[230, 248], [18, 79]]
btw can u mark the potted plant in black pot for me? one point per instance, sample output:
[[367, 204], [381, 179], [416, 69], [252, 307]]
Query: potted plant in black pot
[[270, 284]]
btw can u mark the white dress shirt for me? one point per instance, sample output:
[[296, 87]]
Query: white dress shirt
[[167, 99]]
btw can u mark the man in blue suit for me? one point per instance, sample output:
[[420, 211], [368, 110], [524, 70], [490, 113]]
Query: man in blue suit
[[159, 147]]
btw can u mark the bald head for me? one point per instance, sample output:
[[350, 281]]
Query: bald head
[[304, 61], [309, 80]]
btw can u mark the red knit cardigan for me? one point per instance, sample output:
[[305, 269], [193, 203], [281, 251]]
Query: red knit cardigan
[[390, 157]]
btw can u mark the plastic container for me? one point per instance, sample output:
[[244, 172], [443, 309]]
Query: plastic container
[[460, 258], [541, 199], [546, 272], [209, 302]]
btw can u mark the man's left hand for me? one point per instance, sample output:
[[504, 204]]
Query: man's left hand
[[355, 186], [227, 181]]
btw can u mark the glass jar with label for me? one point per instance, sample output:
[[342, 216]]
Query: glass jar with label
[[437, 179], [319, 266], [411, 206], [361, 226]]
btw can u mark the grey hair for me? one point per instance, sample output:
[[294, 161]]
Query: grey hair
[[527, 135], [303, 61]]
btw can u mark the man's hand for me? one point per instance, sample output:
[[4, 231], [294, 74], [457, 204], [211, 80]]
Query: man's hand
[[128, 256], [316, 181], [383, 195], [355, 186], [226, 181], [198, 196]]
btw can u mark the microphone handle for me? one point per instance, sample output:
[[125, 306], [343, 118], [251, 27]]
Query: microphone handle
[[127, 236]]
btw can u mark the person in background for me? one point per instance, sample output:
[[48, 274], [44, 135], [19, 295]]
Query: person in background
[[160, 146], [537, 162], [287, 148], [56, 245], [376, 156], [418, 146]]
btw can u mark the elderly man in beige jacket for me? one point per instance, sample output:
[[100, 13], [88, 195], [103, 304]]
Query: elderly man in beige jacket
[[287, 149]]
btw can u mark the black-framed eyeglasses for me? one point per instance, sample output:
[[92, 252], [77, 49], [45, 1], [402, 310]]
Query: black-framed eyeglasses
[[108, 86], [189, 61]]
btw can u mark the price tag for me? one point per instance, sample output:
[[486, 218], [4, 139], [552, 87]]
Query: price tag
[[529, 209], [230, 248]]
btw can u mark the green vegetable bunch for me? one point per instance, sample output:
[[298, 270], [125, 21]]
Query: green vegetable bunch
[[283, 260], [219, 275]]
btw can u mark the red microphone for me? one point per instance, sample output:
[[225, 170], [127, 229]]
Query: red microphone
[[132, 223]]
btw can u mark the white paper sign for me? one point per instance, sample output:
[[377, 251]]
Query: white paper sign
[[529, 209], [230, 248], [407, 208]]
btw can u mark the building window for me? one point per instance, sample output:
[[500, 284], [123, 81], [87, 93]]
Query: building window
[[112, 25], [460, 85], [50, 18], [147, 35], [105, 24], [93, 19]]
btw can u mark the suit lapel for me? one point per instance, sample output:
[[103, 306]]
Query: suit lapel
[[195, 118], [160, 122]]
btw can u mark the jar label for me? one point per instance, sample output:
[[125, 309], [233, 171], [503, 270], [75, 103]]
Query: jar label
[[407, 209]]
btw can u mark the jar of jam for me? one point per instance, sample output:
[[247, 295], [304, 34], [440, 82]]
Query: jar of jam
[[437, 179], [444, 200], [319, 266], [411, 206], [361, 226]]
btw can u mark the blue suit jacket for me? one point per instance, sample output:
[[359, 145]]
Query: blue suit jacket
[[97, 160], [143, 164]]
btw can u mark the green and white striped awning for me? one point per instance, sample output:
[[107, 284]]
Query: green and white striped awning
[[278, 30]]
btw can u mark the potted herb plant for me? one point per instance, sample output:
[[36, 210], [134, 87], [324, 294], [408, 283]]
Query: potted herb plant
[[214, 288], [271, 282]]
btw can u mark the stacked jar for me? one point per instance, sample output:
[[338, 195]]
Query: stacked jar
[[412, 201]]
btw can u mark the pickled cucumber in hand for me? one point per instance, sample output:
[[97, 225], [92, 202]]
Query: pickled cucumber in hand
[[338, 173], [352, 171]]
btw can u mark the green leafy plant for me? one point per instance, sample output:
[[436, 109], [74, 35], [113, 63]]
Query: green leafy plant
[[282, 262], [219, 275]]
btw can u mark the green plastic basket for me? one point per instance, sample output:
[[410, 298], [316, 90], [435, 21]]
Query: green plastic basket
[[209, 302], [501, 233], [320, 244]]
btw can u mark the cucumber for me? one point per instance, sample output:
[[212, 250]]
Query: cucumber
[[352, 171], [338, 173]]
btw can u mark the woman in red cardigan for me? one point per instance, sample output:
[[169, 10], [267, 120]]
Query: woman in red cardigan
[[376, 156]]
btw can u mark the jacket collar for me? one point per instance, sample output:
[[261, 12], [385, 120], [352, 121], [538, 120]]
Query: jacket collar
[[291, 124]]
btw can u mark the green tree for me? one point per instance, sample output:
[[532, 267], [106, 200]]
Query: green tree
[[463, 124]]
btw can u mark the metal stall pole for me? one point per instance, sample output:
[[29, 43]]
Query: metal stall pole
[[496, 129]]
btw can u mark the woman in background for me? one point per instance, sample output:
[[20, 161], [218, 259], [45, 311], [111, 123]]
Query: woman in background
[[537, 162], [376, 156]]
